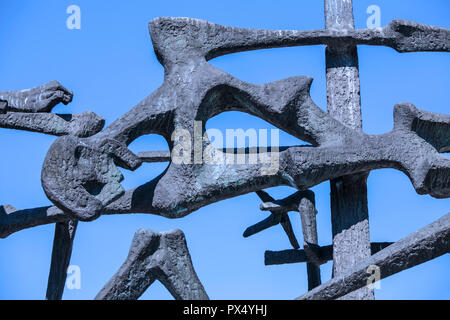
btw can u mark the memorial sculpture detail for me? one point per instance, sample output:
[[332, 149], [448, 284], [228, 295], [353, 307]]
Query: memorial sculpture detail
[[81, 178]]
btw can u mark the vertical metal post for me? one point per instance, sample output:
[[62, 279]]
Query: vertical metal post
[[349, 213], [62, 251], [308, 212]]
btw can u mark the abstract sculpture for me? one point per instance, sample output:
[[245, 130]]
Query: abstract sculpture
[[81, 178], [162, 256]]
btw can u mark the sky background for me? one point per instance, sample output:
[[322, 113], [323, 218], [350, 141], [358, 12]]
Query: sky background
[[110, 65]]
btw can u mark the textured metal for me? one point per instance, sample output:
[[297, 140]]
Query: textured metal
[[155, 256], [62, 251], [348, 196], [307, 209], [279, 214], [426, 244], [80, 173]]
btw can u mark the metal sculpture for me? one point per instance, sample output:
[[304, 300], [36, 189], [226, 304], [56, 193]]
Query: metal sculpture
[[81, 178]]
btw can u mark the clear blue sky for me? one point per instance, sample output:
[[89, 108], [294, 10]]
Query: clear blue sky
[[110, 65]]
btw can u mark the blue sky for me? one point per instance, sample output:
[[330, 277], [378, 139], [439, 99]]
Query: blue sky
[[110, 65]]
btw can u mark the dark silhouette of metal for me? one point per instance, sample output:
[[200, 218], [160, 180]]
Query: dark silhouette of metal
[[81, 178]]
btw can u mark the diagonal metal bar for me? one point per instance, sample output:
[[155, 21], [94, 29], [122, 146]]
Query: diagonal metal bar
[[62, 251], [287, 227], [423, 245], [278, 215], [303, 202], [264, 196], [272, 220]]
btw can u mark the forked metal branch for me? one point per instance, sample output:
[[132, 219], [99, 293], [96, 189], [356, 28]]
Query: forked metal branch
[[155, 256]]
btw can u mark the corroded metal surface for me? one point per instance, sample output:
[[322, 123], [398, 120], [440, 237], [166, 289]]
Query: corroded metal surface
[[80, 173], [155, 256], [426, 244]]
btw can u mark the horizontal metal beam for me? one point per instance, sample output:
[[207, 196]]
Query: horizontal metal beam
[[162, 256], [325, 253]]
